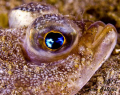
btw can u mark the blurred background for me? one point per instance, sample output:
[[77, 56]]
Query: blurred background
[[106, 80]]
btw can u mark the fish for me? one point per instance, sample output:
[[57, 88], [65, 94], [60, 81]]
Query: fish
[[47, 53]]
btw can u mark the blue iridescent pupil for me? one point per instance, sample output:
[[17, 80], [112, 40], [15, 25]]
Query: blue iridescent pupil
[[54, 40]]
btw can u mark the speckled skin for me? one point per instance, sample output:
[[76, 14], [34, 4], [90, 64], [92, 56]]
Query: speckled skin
[[28, 13], [20, 73]]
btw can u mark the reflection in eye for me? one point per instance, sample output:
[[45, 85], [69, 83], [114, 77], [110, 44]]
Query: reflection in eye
[[54, 40]]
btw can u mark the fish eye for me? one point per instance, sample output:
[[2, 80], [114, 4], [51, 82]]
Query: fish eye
[[54, 40], [51, 37]]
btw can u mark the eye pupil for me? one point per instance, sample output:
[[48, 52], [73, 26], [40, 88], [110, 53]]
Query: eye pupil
[[54, 40]]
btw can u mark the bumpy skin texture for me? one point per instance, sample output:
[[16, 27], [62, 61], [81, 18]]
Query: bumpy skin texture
[[20, 73]]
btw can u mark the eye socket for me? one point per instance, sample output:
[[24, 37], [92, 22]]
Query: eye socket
[[51, 37]]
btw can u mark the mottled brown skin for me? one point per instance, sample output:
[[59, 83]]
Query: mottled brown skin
[[20, 73]]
